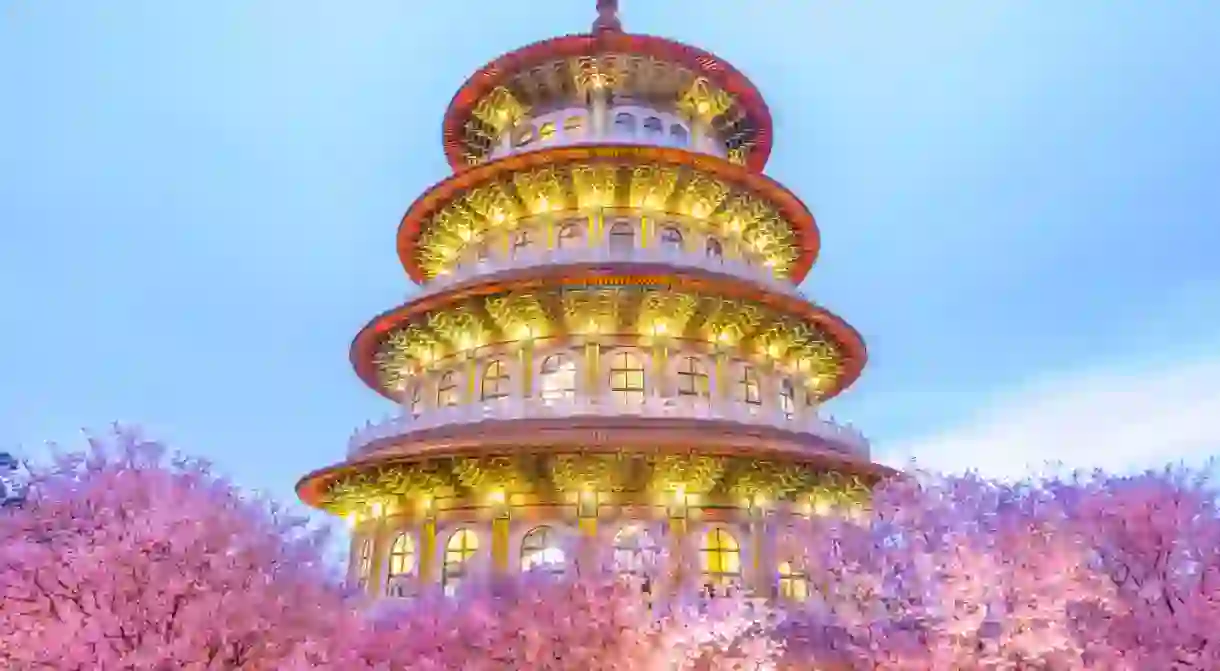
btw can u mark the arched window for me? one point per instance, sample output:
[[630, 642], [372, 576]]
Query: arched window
[[720, 557], [570, 234], [624, 123], [626, 378], [574, 126], [653, 126], [749, 386], [402, 558], [671, 237], [622, 236], [715, 250], [522, 241], [495, 381], [540, 551], [524, 134], [793, 583], [546, 132], [787, 398], [678, 135], [365, 568], [635, 551], [462, 545], [481, 252], [558, 377], [692, 378], [447, 391]]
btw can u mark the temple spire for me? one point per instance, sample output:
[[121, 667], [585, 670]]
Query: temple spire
[[607, 17]]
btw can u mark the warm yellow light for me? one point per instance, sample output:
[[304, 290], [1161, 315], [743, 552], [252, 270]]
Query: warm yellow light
[[464, 234], [497, 496], [378, 508], [680, 494], [703, 107], [659, 327], [734, 224], [464, 343], [724, 337], [498, 217], [773, 350], [352, 519], [592, 328], [525, 332]]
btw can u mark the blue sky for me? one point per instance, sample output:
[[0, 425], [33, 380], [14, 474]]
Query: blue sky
[[1018, 202]]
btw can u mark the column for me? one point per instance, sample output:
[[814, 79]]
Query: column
[[646, 227], [427, 551], [763, 566], [660, 365], [525, 357], [500, 530], [722, 394], [381, 535], [592, 370], [472, 378]]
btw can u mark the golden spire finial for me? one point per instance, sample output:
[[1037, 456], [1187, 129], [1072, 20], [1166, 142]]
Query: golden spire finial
[[607, 17]]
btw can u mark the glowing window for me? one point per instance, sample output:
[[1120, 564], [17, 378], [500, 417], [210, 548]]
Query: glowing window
[[626, 378], [570, 235], [447, 391], [692, 378], [522, 241], [524, 135], [546, 132], [635, 551], [496, 381], [678, 135], [402, 556], [540, 551], [787, 398], [720, 557], [462, 545], [558, 377], [671, 237], [715, 250], [793, 583], [749, 386], [622, 236], [624, 123]]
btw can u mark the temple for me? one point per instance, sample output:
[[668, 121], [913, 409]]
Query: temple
[[608, 336]]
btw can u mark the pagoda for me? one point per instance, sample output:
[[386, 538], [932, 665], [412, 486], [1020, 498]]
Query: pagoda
[[608, 336]]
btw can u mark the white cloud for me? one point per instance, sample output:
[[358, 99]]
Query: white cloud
[[1114, 419]]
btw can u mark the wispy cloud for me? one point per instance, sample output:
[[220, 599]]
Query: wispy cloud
[[1118, 419]]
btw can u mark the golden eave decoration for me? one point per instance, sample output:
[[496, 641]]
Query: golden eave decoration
[[730, 201], [738, 480], [804, 347]]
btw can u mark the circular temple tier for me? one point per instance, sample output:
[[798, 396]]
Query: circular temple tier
[[608, 334]]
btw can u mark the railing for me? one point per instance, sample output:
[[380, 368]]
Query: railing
[[844, 436], [603, 254]]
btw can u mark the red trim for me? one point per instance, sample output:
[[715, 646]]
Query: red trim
[[496, 72], [367, 341], [789, 205]]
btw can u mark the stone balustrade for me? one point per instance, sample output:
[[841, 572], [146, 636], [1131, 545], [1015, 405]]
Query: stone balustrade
[[738, 268], [845, 437]]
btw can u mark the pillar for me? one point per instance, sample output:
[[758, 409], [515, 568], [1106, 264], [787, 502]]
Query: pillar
[[763, 564], [660, 362], [722, 394], [427, 544], [472, 378], [500, 530], [592, 370], [526, 358]]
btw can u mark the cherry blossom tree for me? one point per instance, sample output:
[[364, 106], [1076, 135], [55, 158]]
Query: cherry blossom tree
[[123, 557], [1155, 539]]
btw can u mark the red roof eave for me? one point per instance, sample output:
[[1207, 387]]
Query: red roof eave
[[705, 63]]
